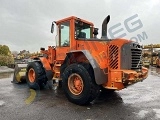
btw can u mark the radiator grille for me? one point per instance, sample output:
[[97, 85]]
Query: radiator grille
[[113, 57], [136, 58]]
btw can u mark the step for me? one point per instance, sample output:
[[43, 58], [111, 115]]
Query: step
[[57, 65]]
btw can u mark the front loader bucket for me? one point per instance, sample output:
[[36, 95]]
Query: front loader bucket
[[19, 73]]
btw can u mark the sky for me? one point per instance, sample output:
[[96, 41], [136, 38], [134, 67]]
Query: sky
[[25, 24]]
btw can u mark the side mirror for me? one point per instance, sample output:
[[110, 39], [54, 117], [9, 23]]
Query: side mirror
[[52, 28]]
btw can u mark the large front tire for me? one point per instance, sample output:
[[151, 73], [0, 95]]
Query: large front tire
[[35, 75], [79, 84]]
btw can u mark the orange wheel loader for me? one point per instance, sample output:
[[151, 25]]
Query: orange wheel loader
[[86, 64]]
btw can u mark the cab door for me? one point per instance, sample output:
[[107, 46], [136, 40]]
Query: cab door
[[64, 40]]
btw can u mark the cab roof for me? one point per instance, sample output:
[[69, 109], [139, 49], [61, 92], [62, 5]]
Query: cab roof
[[73, 17]]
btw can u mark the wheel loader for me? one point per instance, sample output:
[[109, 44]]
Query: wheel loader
[[84, 63]]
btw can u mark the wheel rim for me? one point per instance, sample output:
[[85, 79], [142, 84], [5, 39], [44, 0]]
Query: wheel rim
[[31, 75], [75, 84]]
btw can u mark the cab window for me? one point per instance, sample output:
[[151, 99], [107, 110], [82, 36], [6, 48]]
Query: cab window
[[83, 30], [64, 34]]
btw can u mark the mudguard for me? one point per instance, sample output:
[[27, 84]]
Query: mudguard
[[100, 76], [47, 67]]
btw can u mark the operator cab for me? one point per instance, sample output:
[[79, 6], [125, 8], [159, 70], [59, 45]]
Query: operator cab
[[72, 32], [73, 28]]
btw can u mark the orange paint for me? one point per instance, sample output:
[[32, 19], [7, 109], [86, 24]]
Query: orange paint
[[45, 63], [31, 75]]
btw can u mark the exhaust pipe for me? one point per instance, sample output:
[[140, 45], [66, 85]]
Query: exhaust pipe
[[104, 27]]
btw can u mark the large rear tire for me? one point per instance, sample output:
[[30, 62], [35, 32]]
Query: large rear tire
[[36, 76], [79, 84]]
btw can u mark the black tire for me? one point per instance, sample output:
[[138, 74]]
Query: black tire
[[40, 76], [90, 88]]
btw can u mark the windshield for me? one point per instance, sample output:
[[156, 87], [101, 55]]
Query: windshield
[[64, 34], [82, 30]]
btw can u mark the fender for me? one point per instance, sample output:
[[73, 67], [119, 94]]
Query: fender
[[99, 74], [47, 67]]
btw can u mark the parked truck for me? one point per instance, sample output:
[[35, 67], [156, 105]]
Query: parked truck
[[84, 63]]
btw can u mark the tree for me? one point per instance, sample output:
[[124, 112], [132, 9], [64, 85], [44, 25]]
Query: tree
[[5, 55], [4, 50]]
